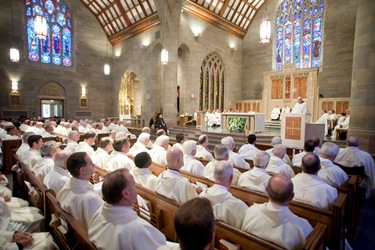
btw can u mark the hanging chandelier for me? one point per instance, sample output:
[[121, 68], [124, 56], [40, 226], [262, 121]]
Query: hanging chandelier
[[164, 55], [14, 53], [40, 27], [265, 29]]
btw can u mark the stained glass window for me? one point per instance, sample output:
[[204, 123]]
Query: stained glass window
[[298, 36], [56, 48], [211, 88]]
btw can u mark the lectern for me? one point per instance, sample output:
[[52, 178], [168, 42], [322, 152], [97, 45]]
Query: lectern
[[295, 131]]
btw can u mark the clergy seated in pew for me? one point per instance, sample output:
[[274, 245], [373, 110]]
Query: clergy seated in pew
[[78, 196], [101, 154], [66, 231], [191, 164], [170, 182], [159, 149], [275, 141], [118, 158], [234, 158], [221, 152], [249, 150], [44, 165], [202, 148], [142, 174], [72, 142], [272, 220], [59, 175], [276, 164], [257, 178], [140, 145], [33, 155], [116, 225], [226, 207], [24, 146], [308, 147]]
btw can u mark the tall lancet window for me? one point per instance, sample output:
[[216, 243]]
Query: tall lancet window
[[299, 33], [211, 89], [56, 47]]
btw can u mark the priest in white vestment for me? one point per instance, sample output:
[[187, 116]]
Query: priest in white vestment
[[248, 151], [309, 188], [352, 156], [235, 159], [44, 165], [24, 146], [300, 107], [59, 175], [72, 144], [191, 164], [323, 119], [141, 145], [256, 178], [33, 155], [118, 158], [101, 155], [329, 172], [226, 207], [170, 182], [202, 148], [275, 113], [87, 143], [308, 147], [116, 225], [273, 221], [277, 140], [78, 196], [142, 174], [343, 124], [277, 165], [221, 152], [159, 150], [12, 239]]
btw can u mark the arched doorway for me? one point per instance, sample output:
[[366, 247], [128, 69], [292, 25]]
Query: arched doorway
[[130, 91], [52, 99]]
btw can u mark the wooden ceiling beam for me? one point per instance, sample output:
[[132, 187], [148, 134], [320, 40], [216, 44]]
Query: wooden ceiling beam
[[225, 5]]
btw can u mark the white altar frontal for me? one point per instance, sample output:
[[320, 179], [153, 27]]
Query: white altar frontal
[[295, 131], [254, 121]]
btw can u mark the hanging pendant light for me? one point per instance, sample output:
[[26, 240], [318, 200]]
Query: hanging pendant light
[[14, 53], [265, 29], [40, 26], [164, 55], [107, 68]]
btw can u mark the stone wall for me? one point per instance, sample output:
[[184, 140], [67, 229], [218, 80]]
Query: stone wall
[[336, 71], [89, 45]]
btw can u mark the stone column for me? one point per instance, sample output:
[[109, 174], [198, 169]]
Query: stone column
[[362, 100]]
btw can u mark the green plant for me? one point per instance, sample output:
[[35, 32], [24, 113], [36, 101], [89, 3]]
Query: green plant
[[236, 124]]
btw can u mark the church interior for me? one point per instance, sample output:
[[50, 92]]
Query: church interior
[[134, 58]]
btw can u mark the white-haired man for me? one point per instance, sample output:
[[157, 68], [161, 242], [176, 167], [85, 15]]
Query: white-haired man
[[329, 172], [256, 178], [191, 165], [73, 138], [235, 159], [277, 140], [202, 148], [44, 165], [140, 145], [226, 207], [159, 150], [59, 175], [276, 164]]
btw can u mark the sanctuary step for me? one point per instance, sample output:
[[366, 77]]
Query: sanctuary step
[[273, 125]]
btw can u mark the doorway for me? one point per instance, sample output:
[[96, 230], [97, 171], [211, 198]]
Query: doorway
[[50, 108]]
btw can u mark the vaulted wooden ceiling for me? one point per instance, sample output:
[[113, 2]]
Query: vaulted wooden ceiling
[[122, 19]]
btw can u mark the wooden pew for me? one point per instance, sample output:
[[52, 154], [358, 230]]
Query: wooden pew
[[8, 146], [76, 237], [334, 219], [315, 241]]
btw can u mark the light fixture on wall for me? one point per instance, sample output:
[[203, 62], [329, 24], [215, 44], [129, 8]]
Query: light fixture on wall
[[164, 55], [14, 86], [14, 53], [265, 29], [83, 91], [107, 68], [40, 26], [197, 36]]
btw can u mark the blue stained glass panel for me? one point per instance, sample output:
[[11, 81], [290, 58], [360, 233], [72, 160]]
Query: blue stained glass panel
[[67, 56], [46, 49], [28, 11], [56, 45], [284, 6], [49, 6], [33, 42], [297, 43], [297, 4]]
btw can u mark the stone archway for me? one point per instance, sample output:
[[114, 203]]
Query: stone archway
[[129, 91]]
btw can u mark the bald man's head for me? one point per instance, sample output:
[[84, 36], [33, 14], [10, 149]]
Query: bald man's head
[[175, 158], [280, 189], [352, 141]]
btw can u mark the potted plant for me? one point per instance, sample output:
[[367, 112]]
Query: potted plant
[[236, 124]]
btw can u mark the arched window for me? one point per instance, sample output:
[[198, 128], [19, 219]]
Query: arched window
[[211, 89], [56, 48], [299, 33]]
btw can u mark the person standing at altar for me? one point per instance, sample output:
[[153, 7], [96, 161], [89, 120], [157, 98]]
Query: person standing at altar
[[300, 107]]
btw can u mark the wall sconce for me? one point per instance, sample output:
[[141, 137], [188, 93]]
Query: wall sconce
[[83, 91], [143, 47], [197, 36], [192, 96], [233, 48], [14, 86]]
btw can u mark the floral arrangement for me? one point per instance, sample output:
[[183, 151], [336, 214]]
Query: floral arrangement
[[237, 124]]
